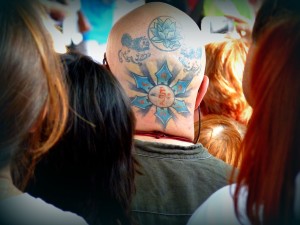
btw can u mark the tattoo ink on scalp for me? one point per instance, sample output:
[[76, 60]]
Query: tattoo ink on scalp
[[164, 34], [161, 94], [134, 50]]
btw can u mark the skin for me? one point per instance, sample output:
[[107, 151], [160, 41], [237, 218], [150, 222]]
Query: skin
[[7, 189], [165, 81]]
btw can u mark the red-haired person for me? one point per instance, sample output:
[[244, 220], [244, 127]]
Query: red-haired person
[[268, 183], [222, 136], [225, 62]]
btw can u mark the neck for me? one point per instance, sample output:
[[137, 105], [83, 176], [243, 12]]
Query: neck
[[7, 188], [5, 173], [157, 136]]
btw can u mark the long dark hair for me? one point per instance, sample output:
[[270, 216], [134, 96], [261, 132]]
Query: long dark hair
[[91, 170]]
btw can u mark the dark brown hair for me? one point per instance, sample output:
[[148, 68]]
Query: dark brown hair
[[91, 170], [271, 11]]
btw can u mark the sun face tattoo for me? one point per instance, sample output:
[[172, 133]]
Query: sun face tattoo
[[161, 94], [164, 33]]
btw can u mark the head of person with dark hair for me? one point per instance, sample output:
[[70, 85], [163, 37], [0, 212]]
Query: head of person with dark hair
[[91, 170], [182, 5], [157, 53], [267, 189], [225, 62], [222, 136], [270, 12], [33, 111]]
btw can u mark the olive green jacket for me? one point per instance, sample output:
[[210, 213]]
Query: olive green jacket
[[175, 181]]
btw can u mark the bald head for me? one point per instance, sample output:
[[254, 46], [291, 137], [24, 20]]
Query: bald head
[[156, 52]]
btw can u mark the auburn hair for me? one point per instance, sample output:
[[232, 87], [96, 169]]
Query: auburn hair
[[222, 136], [225, 62], [270, 150]]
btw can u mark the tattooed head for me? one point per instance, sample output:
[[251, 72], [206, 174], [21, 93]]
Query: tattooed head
[[156, 52]]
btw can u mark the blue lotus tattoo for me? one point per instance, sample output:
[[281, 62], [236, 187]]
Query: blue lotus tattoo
[[161, 94], [164, 34]]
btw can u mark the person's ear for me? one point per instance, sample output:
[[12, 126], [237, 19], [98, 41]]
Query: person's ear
[[202, 91]]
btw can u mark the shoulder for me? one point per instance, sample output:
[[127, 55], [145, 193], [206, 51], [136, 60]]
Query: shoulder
[[25, 209], [217, 209]]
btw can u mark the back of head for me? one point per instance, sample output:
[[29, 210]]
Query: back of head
[[101, 136], [225, 63], [156, 53], [271, 147], [92, 165], [31, 86], [222, 136], [270, 12]]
